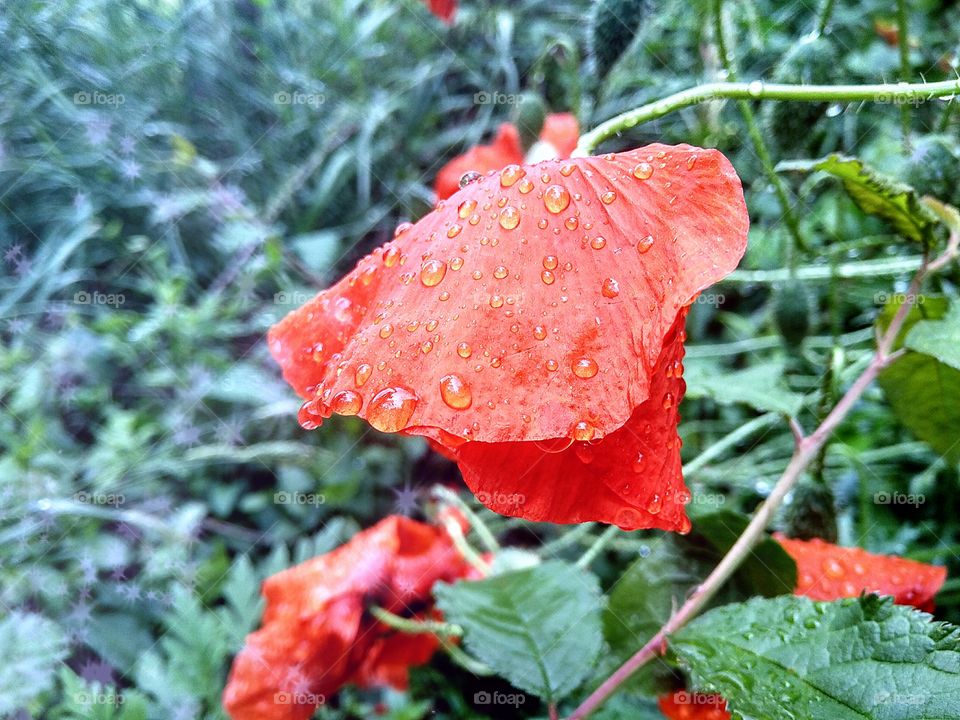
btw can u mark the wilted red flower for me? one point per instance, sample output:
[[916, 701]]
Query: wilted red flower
[[684, 705], [830, 572], [446, 10], [533, 326], [560, 130], [316, 634]]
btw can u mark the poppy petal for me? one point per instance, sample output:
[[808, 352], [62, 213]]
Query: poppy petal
[[562, 131], [631, 478], [443, 9], [693, 706], [830, 572], [503, 150]]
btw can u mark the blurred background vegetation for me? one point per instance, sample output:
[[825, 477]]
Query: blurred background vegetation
[[175, 175]]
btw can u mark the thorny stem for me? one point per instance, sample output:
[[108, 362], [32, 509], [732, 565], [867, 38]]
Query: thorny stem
[[759, 144], [806, 451], [760, 90]]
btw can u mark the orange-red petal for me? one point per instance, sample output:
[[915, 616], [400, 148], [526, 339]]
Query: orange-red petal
[[316, 635], [446, 10], [562, 131], [504, 149], [830, 572], [684, 705]]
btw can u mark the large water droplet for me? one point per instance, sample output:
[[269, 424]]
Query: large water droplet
[[432, 272], [346, 402], [608, 197], [643, 170], [598, 243], [309, 415], [500, 272], [386, 331], [584, 431], [466, 208], [391, 409], [540, 332], [644, 244], [585, 367], [463, 350], [455, 392], [390, 256], [469, 177], [509, 217], [510, 174], [611, 288], [362, 374], [548, 277], [556, 199]]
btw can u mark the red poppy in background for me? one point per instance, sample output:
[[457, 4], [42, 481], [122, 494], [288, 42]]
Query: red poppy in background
[[446, 10], [316, 634], [560, 132], [830, 572], [532, 324]]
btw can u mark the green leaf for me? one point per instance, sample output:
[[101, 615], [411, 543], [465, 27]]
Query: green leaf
[[938, 338], [876, 194], [794, 659], [539, 627], [33, 648], [761, 387]]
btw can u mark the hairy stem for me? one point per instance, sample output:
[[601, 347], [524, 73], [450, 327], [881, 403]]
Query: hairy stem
[[407, 625], [759, 90], [903, 43], [806, 451]]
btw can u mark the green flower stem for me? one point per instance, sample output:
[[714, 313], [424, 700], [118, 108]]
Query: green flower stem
[[476, 522], [807, 448], [759, 144], [760, 90], [826, 12], [729, 441], [597, 546], [433, 627], [569, 537], [903, 41], [466, 550], [864, 268]]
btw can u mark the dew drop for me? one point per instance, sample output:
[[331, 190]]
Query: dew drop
[[638, 463], [454, 230], [584, 453], [598, 243], [611, 288], [509, 217], [585, 368], [455, 392], [463, 350], [584, 431], [402, 228], [466, 208], [510, 174], [550, 262], [833, 569], [426, 346], [566, 169], [667, 401], [444, 296], [608, 197], [644, 244], [542, 223], [540, 332], [655, 504], [386, 331], [500, 272], [642, 170], [552, 365], [432, 272], [456, 263], [469, 177], [627, 518], [476, 275], [390, 256], [391, 409], [525, 186], [362, 374], [346, 402], [571, 223], [556, 198], [496, 301], [547, 277]]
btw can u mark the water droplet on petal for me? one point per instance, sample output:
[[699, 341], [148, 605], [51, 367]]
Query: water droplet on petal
[[509, 217], [644, 244], [552, 365], [454, 230], [556, 198], [638, 463], [627, 519], [510, 174], [346, 402], [642, 170], [362, 374], [566, 169], [432, 272], [584, 453], [390, 256], [547, 277], [463, 350], [500, 272], [456, 263], [469, 177], [525, 186], [655, 504], [667, 401], [386, 331], [402, 228], [585, 367], [584, 431], [391, 409], [832, 568], [550, 262], [496, 301], [308, 416], [466, 208], [608, 197], [455, 392], [611, 288], [598, 243], [540, 332]]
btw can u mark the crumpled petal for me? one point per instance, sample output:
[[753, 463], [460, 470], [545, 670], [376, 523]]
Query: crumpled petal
[[830, 572], [316, 635], [534, 306]]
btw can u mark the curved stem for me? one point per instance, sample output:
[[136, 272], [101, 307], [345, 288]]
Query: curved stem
[[415, 627], [728, 441], [602, 540], [476, 522], [806, 451], [759, 90]]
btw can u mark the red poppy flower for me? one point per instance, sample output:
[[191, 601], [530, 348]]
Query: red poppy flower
[[830, 572], [560, 131], [693, 706], [316, 634], [443, 9], [533, 326]]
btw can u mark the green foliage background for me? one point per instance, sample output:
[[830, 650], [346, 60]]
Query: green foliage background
[[194, 169]]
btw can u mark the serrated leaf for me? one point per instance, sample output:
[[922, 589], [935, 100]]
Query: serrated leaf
[[761, 387], [538, 627], [876, 194], [794, 659], [33, 647], [938, 338]]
